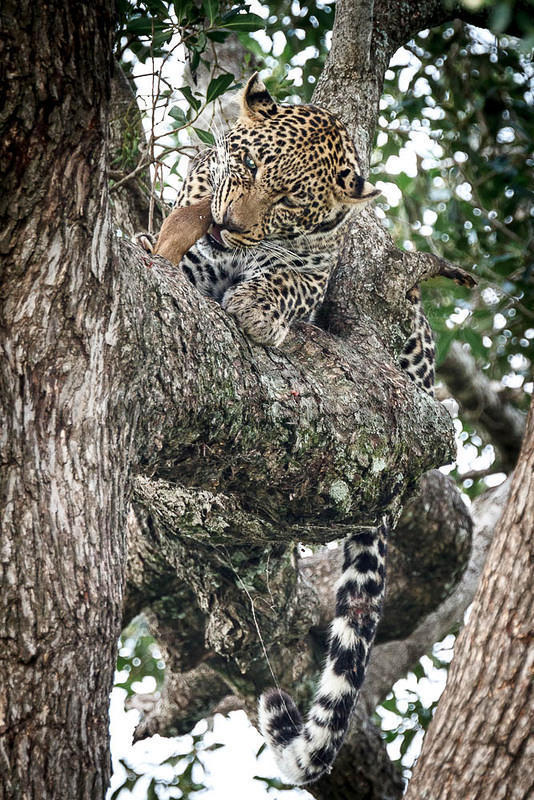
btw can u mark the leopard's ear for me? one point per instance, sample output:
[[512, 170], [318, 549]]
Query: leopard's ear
[[353, 189], [256, 102]]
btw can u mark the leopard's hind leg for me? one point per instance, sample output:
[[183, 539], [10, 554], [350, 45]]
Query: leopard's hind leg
[[418, 354]]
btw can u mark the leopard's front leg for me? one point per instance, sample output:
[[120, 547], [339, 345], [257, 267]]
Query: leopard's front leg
[[266, 306]]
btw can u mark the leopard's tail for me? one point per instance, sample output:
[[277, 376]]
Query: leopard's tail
[[302, 750]]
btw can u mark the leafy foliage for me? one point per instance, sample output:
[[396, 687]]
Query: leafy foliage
[[408, 709], [140, 669], [466, 116], [156, 34], [457, 131], [154, 29], [174, 777], [139, 658]]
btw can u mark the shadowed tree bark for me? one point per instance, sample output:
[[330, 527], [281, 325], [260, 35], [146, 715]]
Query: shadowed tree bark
[[119, 383], [481, 735]]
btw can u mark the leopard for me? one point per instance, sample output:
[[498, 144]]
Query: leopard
[[283, 182], [277, 192]]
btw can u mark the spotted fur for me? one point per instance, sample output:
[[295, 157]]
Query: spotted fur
[[283, 183], [418, 355]]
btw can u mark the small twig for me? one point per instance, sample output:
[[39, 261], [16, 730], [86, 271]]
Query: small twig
[[477, 474], [139, 168]]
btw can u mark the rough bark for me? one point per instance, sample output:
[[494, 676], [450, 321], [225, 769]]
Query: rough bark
[[203, 690], [64, 453], [363, 766], [198, 522], [434, 530], [481, 734]]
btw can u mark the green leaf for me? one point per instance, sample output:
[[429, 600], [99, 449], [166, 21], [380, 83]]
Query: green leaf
[[443, 344], [195, 61], [173, 760], [407, 740], [218, 36], [500, 17], [273, 783], [183, 10], [474, 339], [218, 86], [198, 44], [178, 114], [205, 136], [157, 8], [233, 12], [390, 705], [143, 25], [418, 671], [190, 97], [245, 22], [211, 10], [151, 791]]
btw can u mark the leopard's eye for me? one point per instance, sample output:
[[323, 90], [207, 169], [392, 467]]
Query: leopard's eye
[[288, 202], [250, 164]]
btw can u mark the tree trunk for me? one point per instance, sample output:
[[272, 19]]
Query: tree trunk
[[481, 735], [64, 442]]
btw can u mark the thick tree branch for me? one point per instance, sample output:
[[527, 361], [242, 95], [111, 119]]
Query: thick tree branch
[[483, 403], [280, 609], [352, 35], [185, 698], [306, 431], [428, 265], [485, 714]]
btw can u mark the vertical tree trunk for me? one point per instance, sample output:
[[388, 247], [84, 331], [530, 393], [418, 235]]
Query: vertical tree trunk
[[481, 736], [62, 475]]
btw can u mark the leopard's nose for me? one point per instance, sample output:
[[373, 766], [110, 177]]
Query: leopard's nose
[[229, 223]]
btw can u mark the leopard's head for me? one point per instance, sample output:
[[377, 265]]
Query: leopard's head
[[283, 171]]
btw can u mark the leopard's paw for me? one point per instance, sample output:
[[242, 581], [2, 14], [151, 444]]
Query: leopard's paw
[[145, 240], [257, 318]]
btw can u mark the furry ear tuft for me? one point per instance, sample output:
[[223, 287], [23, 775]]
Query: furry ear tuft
[[354, 189], [256, 102]]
